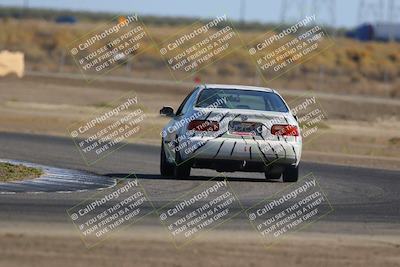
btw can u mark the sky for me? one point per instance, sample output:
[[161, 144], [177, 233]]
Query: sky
[[345, 12]]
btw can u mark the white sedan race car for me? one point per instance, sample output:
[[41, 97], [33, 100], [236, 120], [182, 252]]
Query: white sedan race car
[[231, 128]]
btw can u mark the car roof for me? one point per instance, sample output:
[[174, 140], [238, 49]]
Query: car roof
[[236, 86]]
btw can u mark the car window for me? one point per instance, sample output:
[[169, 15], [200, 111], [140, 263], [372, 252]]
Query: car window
[[241, 99], [186, 103]]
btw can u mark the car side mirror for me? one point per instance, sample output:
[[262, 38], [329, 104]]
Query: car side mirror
[[167, 111]]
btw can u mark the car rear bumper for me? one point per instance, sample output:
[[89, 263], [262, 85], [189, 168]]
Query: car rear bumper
[[249, 150], [222, 165]]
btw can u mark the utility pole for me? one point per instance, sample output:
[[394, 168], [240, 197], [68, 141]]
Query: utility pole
[[293, 10], [25, 7], [325, 10], [393, 11], [242, 11]]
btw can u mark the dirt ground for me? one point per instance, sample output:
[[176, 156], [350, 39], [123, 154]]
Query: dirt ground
[[149, 247], [359, 132]]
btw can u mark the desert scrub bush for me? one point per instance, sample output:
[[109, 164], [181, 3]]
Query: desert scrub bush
[[394, 141]]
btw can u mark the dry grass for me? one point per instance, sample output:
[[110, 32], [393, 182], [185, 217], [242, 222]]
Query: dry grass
[[347, 66], [10, 172]]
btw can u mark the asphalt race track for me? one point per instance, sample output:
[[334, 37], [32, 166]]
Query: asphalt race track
[[364, 198]]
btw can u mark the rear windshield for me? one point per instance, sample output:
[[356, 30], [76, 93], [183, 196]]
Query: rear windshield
[[241, 99]]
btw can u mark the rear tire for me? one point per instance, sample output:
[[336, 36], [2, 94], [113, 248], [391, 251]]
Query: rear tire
[[181, 169], [291, 174], [166, 168]]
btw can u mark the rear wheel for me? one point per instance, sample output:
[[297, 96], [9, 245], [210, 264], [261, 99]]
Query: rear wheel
[[182, 168], [291, 174], [166, 168]]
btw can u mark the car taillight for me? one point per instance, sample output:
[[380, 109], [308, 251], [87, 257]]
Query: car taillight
[[284, 129], [202, 125]]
